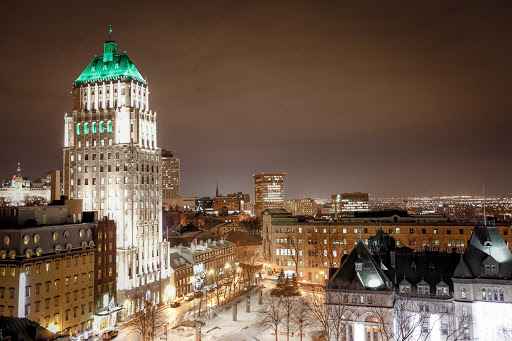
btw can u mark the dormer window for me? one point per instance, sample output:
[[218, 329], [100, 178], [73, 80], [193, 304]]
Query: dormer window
[[491, 270], [423, 288], [442, 289], [464, 293]]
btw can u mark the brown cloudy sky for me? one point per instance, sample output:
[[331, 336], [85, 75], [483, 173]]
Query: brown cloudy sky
[[389, 97]]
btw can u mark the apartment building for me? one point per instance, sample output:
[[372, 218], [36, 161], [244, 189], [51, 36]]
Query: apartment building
[[47, 271]]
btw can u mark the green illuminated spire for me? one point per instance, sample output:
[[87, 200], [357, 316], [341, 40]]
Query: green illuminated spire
[[110, 66]]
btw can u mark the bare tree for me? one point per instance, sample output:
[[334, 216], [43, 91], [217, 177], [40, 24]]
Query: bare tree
[[327, 247], [411, 320], [271, 314], [287, 307], [147, 320], [317, 303], [301, 319], [247, 262], [339, 315], [292, 243], [505, 333]]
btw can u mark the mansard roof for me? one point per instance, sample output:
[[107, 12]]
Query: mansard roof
[[118, 65], [370, 276], [486, 245], [462, 269]]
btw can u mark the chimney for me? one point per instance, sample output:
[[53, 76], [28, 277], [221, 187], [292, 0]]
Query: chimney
[[55, 184]]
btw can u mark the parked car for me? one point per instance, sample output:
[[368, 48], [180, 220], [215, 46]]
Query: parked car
[[189, 297], [175, 304], [108, 335]]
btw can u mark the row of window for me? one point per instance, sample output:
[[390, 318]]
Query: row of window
[[488, 294], [94, 128]]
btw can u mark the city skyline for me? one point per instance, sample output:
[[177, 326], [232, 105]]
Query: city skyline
[[419, 95]]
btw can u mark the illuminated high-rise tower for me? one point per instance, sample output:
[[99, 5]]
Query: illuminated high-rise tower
[[268, 192], [112, 162]]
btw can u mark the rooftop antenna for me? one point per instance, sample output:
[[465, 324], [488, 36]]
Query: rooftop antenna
[[483, 192], [110, 32]]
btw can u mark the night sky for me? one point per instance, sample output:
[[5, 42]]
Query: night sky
[[378, 97]]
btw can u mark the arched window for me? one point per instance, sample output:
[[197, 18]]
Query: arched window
[[102, 127], [463, 293], [86, 128], [109, 126], [371, 328], [94, 127], [79, 128], [502, 295]]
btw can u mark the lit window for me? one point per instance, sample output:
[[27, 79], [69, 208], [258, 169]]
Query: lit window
[[109, 126], [86, 128], [94, 127], [79, 129], [102, 127]]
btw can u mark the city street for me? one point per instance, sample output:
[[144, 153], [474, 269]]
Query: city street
[[173, 315]]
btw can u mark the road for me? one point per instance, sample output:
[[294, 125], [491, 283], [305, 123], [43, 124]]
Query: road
[[173, 315]]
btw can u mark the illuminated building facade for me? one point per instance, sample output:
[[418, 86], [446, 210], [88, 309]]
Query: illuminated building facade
[[320, 245], [47, 270], [19, 191], [305, 206], [268, 192], [170, 178], [112, 162], [386, 292], [351, 202], [229, 202]]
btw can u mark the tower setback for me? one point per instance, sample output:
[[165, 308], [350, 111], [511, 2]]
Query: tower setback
[[112, 162]]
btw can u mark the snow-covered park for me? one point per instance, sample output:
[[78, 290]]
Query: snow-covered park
[[221, 327]]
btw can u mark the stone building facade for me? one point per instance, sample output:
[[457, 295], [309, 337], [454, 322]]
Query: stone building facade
[[389, 293], [112, 162], [47, 274]]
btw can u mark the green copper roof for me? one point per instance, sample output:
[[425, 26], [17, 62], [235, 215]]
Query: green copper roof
[[109, 67]]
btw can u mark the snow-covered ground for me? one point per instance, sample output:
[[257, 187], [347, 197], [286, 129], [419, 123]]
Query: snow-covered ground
[[223, 328]]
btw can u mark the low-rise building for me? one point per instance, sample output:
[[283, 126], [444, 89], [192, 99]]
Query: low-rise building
[[181, 280], [305, 207]]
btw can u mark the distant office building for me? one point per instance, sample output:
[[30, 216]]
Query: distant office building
[[170, 177], [305, 207], [247, 207], [19, 191], [268, 192], [204, 204], [180, 204], [350, 202], [232, 202], [229, 202]]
